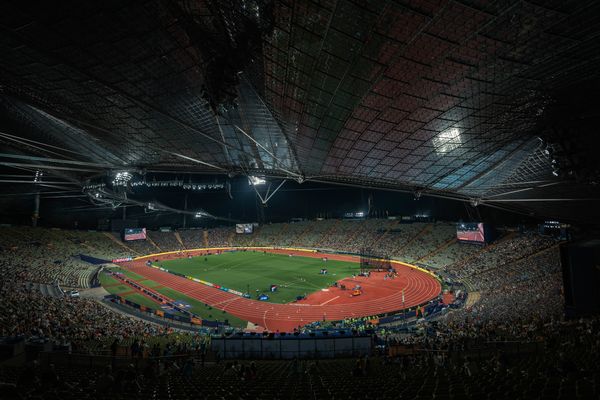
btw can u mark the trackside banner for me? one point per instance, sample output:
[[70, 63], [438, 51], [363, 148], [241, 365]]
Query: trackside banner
[[118, 260], [208, 249]]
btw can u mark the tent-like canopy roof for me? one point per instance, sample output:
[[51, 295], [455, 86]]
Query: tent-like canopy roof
[[461, 99]]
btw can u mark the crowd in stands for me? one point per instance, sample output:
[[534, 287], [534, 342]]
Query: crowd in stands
[[217, 237], [430, 240], [269, 234], [35, 265], [392, 241], [562, 365], [515, 284], [138, 247], [517, 279], [45, 256], [166, 241], [77, 323], [451, 253], [503, 252], [95, 244], [193, 238]]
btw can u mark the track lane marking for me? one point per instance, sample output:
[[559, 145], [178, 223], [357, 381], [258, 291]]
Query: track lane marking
[[330, 300]]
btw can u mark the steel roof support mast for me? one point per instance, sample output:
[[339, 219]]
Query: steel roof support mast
[[255, 181]]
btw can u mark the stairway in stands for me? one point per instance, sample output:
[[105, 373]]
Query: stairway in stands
[[230, 239], [153, 244], [298, 241], [205, 238], [331, 231], [488, 247], [426, 229], [281, 234], [178, 237], [437, 250], [516, 260]]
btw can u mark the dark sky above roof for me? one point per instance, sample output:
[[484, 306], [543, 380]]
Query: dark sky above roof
[[445, 97]]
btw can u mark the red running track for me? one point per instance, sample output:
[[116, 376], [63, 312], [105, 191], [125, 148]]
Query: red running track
[[379, 296]]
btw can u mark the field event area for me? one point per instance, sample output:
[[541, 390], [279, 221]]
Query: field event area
[[254, 272], [365, 293]]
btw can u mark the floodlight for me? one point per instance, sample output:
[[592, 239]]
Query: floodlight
[[122, 178], [255, 180], [38, 176], [447, 140]]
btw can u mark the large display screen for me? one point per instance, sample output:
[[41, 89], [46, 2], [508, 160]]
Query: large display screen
[[470, 232], [244, 228], [134, 234]]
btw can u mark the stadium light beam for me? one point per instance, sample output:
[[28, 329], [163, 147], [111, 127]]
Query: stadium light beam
[[122, 178], [256, 181]]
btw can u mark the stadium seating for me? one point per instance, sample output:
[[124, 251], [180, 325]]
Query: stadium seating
[[454, 252], [222, 237], [268, 234], [60, 262], [166, 241], [431, 239], [193, 239], [561, 366], [516, 279]]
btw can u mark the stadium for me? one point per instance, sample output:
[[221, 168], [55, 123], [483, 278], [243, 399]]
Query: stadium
[[258, 199]]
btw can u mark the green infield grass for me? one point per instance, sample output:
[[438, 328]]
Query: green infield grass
[[254, 272]]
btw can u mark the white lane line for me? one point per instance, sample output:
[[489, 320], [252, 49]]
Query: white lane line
[[224, 301], [265, 320], [332, 299]]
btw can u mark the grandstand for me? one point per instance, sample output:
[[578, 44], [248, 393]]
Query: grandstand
[[165, 241], [259, 199]]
